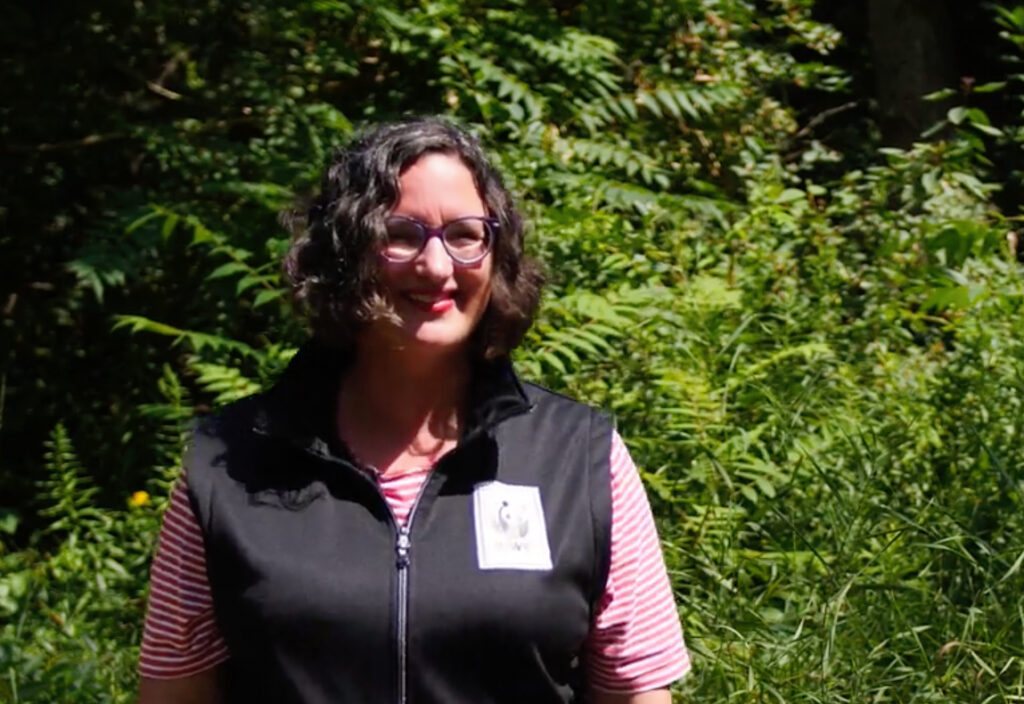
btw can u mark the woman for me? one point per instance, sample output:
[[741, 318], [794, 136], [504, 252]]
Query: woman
[[399, 518]]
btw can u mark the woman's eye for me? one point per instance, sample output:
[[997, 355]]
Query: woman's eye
[[403, 234], [464, 232]]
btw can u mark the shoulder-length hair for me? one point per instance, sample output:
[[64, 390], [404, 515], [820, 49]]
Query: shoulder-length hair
[[333, 261]]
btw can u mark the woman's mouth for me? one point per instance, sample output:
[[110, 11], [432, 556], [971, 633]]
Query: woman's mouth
[[435, 302]]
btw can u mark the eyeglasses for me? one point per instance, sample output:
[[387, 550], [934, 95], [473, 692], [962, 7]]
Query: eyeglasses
[[467, 240]]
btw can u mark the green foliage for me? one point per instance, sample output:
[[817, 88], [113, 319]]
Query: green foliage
[[818, 368], [70, 603]]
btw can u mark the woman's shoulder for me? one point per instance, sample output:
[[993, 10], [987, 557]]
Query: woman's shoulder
[[222, 433], [566, 417], [221, 424], [541, 396]]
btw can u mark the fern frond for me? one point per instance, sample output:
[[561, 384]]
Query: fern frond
[[401, 24], [628, 196], [99, 267], [228, 383], [584, 326], [523, 103], [691, 404], [175, 417], [808, 351], [621, 156], [66, 491], [693, 101], [583, 58], [264, 277], [197, 340]]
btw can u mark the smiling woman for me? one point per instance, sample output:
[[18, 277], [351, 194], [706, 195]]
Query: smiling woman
[[401, 518], [336, 261], [438, 299]]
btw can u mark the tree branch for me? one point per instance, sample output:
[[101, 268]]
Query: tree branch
[[87, 141], [821, 117]]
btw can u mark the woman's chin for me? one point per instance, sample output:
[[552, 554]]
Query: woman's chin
[[425, 339], [429, 339]]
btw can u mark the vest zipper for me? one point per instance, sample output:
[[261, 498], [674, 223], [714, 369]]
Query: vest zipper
[[403, 543]]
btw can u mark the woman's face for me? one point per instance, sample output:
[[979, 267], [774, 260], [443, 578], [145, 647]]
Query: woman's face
[[438, 302]]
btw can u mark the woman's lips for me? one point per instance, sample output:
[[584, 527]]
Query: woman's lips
[[431, 302]]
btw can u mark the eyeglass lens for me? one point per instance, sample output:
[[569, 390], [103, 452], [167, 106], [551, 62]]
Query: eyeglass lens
[[466, 239]]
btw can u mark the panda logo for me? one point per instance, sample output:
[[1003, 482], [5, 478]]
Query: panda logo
[[512, 520]]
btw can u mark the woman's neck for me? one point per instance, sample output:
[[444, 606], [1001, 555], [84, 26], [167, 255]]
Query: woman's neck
[[399, 411]]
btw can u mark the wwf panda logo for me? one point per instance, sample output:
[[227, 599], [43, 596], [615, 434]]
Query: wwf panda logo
[[513, 520], [510, 528]]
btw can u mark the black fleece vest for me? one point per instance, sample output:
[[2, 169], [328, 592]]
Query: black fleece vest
[[321, 598]]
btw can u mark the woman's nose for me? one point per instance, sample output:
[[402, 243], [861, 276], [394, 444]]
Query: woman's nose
[[434, 261]]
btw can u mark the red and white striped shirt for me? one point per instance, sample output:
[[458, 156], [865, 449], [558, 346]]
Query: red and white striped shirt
[[635, 644]]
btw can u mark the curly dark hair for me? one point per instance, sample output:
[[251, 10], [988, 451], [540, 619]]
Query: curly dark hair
[[333, 262]]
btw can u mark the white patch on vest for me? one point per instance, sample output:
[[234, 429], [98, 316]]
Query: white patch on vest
[[510, 529]]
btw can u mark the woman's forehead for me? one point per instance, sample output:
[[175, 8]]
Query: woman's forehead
[[438, 187]]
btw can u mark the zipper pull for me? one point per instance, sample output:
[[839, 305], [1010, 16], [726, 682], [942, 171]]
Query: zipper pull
[[402, 547]]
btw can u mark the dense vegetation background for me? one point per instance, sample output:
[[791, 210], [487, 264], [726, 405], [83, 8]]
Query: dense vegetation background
[[796, 283]]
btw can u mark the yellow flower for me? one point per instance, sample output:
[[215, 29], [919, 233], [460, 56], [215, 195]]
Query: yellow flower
[[139, 498]]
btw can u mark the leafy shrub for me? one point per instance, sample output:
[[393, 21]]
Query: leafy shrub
[[820, 376]]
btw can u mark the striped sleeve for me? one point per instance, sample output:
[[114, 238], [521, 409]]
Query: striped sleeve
[[180, 636], [636, 642]]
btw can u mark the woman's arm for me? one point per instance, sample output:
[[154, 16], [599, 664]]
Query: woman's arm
[[635, 642], [202, 688], [654, 696], [181, 644]]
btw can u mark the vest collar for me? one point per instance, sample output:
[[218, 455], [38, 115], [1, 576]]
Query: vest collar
[[300, 407], [496, 394]]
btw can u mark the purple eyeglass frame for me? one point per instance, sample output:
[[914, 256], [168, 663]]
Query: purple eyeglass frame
[[491, 226]]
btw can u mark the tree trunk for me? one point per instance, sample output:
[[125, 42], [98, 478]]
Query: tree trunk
[[913, 54]]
